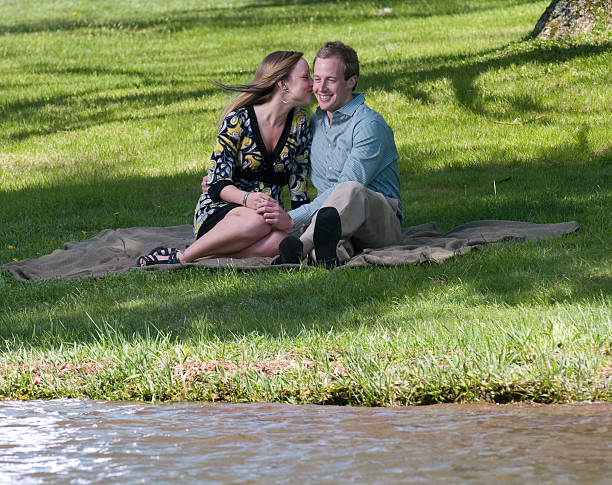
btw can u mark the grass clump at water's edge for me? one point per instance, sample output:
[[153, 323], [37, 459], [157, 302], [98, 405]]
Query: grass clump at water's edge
[[108, 116], [455, 362]]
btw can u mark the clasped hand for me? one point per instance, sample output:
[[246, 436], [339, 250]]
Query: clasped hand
[[273, 213], [268, 207]]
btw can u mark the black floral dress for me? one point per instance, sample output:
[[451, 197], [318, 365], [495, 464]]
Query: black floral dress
[[240, 158]]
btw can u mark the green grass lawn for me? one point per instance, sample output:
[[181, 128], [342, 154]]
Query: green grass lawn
[[108, 117]]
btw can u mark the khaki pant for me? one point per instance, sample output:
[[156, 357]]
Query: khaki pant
[[368, 220]]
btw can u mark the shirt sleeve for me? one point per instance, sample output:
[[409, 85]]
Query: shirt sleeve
[[361, 166], [224, 156], [298, 178]]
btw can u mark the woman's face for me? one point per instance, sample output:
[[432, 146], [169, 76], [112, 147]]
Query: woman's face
[[299, 85]]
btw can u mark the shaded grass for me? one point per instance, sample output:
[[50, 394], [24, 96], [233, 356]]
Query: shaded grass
[[108, 116]]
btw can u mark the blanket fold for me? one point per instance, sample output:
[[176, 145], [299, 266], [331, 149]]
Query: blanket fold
[[115, 251]]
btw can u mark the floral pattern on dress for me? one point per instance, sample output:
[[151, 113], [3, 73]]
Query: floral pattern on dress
[[236, 150]]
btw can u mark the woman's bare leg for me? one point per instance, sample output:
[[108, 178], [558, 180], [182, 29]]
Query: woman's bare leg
[[239, 229], [267, 246]]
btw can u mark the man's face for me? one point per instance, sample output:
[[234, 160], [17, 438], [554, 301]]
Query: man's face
[[330, 88]]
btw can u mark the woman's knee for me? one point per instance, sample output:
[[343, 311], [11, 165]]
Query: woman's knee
[[251, 222]]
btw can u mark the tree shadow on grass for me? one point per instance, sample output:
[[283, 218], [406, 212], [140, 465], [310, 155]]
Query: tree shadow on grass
[[464, 70], [287, 303], [85, 108], [101, 108], [543, 189], [42, 218], [224, 303], [95, 107]]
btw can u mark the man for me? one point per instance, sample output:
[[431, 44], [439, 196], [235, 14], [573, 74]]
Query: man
[[353, 166]]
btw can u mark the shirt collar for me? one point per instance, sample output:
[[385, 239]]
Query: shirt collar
[[348, 109]]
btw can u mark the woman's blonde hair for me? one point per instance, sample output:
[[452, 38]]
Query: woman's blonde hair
[[273, 68]]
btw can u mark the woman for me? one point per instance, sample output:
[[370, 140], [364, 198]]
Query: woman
[[263, 144]]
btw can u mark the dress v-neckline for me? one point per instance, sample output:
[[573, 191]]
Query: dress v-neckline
[[280, 144]]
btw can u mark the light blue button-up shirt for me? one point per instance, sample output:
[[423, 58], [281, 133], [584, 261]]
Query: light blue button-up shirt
[[358, 147]]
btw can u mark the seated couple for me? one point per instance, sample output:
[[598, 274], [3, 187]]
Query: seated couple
[[266, 141]]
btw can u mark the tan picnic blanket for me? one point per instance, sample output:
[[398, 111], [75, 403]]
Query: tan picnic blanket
[[115, 251]]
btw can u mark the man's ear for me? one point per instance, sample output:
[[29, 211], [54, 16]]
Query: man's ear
[[352, 81]]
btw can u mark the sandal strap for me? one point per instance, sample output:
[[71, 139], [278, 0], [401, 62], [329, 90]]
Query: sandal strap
[[160, 250], [170, 255], [146, 260], [173, 256]]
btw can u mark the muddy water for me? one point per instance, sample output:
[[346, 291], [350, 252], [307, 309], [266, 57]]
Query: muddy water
[[79, 441]]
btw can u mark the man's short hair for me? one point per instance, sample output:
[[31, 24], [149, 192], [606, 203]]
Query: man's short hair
[[341, 51]]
